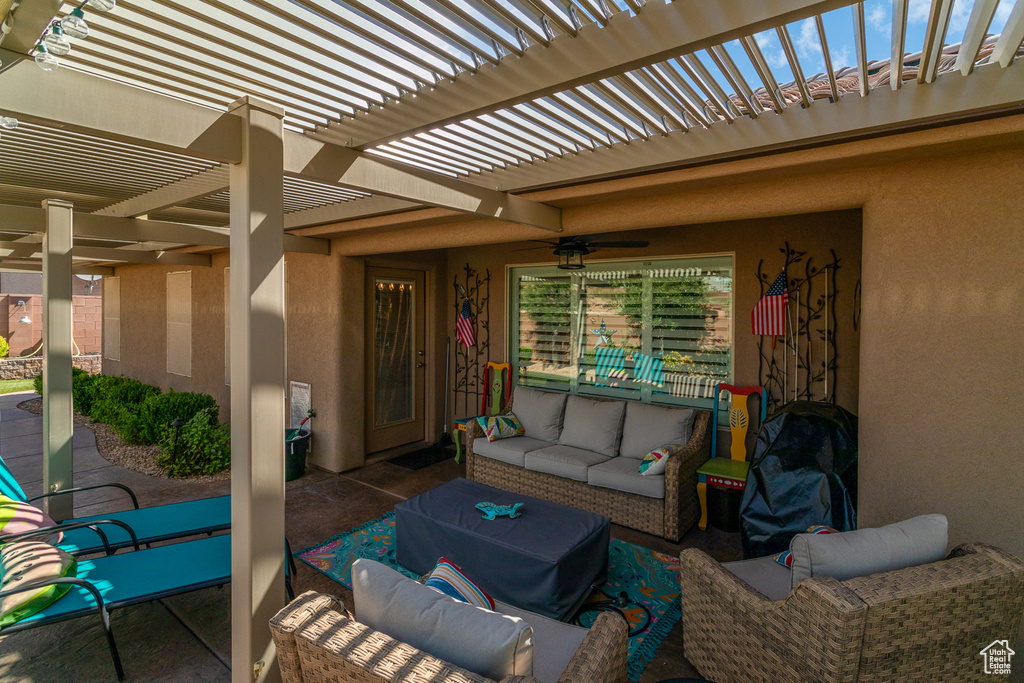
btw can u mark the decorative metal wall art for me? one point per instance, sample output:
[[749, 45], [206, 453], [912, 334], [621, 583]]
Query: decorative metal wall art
[[469, 361]]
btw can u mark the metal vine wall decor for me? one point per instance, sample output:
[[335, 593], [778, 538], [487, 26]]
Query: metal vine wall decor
[[804, 367], [469, 360]]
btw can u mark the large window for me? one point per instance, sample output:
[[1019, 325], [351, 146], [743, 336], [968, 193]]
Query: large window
[[656, 331]]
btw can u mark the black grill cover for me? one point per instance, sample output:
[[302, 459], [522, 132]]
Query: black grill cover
[[803, 472]]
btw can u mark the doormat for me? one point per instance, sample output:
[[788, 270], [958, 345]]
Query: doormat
[[424, 457], [650, 581]]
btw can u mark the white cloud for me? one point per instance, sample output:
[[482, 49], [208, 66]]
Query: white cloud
[[1003, 12], [959, 16], [878, 18], [764, 39], [917, 11], [776, 59], [840, 57], [807, 44]]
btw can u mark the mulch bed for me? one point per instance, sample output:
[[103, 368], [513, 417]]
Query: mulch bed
[[141, 459]]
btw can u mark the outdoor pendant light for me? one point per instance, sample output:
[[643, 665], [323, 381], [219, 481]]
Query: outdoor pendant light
[[570, 257], [74, 24], [45, 60], [25, 320], [101, 5], [56, 43]]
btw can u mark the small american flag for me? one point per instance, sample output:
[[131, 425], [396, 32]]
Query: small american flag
[[464, 326], [769, 315]]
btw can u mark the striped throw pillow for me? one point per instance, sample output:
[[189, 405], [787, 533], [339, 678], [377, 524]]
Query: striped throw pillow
[[785, 558], [449, 579]]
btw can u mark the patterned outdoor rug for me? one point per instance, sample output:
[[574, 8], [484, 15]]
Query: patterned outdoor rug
[[649, 579]]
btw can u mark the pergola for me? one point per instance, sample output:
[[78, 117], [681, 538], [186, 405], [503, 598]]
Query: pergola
[[183, 127]]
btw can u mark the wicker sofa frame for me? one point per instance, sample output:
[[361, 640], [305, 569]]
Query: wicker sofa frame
[[923, 623], [669, 517], [317, 640]]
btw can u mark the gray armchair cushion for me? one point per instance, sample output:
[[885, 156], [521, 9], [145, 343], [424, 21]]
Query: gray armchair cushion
[[484, 642], [592, 425], [763, 574], [622, 474], [869, 551], [510, 450], [554, 642], [540, 412], [563, 461], [647, 427]]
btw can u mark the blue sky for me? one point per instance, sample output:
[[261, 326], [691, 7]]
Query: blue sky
[[839, 35]]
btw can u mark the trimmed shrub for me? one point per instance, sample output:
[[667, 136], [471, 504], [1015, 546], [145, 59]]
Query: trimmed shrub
[[158, 411], [37, 383], [116, 402], [203, 446], [5, 348], [81, 389]]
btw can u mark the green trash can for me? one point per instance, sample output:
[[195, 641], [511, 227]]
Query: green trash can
[[296, 444]]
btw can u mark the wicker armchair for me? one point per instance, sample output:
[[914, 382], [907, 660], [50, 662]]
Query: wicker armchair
[[923, 623], [317, 640], [670, 517]]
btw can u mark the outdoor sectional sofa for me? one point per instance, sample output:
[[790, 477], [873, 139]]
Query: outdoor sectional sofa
[[586, 452]]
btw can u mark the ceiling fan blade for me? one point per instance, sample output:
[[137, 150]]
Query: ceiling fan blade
[[530, 248], [612, 245]]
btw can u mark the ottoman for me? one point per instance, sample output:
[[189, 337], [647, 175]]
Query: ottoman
[[544, 561]]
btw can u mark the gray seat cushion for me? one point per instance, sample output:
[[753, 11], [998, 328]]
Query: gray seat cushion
[[540, 413], [870, 551], [509, 450], [484, 642], [763, 574], [563, 461], [622, 474], [554, 642], [592, 425], [647, 427]]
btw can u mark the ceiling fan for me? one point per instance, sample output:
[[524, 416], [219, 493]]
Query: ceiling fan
[[571, 250]]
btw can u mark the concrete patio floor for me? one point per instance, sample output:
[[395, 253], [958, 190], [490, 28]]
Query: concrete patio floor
[[187, 637]]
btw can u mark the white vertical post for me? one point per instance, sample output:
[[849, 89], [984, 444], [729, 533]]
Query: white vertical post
[[58, 422], [257, 391]]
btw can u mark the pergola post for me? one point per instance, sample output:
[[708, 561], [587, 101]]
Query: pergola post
[[257, 390], [58, 422]]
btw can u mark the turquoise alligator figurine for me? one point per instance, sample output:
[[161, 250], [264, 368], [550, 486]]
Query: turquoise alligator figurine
[[492, 511]]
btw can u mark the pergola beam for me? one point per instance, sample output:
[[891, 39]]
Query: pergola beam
[[28, 219], [325, 162], [38, 268], [625, 43], [343, 211], [29, 250], [30, 20], [951, 97], [194, 187]]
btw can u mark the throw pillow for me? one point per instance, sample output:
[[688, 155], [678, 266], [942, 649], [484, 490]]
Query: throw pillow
[[540, 412], [449, 579], [656, 461], [647, 427], [785, 558], [593, 425], [24, 561], [500, 426], [17, 517]]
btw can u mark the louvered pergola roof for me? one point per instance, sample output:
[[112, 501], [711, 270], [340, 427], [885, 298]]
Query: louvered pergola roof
[[513, 95]]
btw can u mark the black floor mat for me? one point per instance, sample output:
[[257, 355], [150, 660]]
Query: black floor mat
[[423, 457]]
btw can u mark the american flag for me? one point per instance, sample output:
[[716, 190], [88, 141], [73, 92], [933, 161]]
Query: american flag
[[464, 326], [769, 315]]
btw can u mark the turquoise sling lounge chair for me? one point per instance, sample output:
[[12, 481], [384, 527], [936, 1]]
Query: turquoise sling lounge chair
[[158, 523]]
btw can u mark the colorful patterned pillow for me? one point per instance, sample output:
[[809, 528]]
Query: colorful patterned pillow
[[501, 426], [656, 461], [785, 558], [449, 579], [17, 517], [25, 561]]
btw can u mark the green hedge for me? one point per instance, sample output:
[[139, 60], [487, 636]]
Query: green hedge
[[203, 446], [158, 411], [117, 400]]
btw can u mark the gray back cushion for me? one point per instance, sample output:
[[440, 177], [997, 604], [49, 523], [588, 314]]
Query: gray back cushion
[[540, 412], [592, 425], [487, 643], [869, 551], [647, 427]]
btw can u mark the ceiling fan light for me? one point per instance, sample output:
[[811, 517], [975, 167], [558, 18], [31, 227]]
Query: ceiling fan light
[[101, 5], [74, 24], [570, 259]]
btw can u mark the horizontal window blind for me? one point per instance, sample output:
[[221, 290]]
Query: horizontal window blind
[[655, 331]]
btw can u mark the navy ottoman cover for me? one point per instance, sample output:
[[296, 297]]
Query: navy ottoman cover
[[544, 561]]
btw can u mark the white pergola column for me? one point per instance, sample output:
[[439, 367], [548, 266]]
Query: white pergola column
[[257, 391], [58, 422]]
